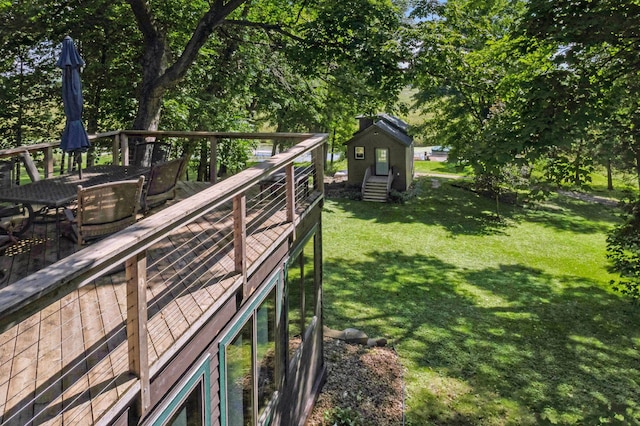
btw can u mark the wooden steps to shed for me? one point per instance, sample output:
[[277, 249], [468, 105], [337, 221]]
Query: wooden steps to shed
[[375, 190]]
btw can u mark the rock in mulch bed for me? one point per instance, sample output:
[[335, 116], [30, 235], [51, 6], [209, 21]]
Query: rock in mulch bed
[[363, 384]]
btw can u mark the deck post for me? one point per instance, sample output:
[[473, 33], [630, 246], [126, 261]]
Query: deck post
[[291, 192], [48, 162], [318, 163], [115, 149], [240, 234], [136, 276], [124, 149], [213, 168]]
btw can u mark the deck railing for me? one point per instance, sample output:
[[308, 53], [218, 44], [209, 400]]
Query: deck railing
[[180, 264], [367, 175]]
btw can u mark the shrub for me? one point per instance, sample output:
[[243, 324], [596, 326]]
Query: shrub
[[342, 417], [623, 251]]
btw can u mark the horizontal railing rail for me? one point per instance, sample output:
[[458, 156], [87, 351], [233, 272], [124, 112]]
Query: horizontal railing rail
[[120, 146], [367, 175]]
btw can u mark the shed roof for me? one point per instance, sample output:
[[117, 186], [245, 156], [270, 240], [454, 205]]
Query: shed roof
[[391, 130], [396, 122]]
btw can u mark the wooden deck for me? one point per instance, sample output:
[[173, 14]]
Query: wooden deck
[[42, 245], [68, 364]]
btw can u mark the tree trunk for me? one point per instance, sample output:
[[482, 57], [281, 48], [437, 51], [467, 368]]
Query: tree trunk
[[93, 112], [609, 175], [203, 173], [637, 152], [157, 74], [20, 118]]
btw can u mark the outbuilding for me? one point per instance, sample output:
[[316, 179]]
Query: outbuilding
[[380, 157]]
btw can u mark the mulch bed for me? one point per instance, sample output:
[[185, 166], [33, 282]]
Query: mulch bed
[[363, 384]]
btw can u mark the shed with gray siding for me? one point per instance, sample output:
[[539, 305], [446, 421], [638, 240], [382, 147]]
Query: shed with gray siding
[[381, 145]]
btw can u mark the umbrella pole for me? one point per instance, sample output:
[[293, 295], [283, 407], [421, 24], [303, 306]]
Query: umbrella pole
[[79, 163]]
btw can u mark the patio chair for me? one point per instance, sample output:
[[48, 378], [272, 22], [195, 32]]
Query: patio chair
[[30, 166], [104, 209], [150, 153], [161, 186], [6, 173], [15, 217]]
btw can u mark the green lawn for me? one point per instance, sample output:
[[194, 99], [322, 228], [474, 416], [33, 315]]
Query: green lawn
[[497, 322], [442, 167]]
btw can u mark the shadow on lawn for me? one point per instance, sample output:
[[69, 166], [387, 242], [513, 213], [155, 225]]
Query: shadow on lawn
[[569, 214], [500, 345], [462, 212], [459, 211]]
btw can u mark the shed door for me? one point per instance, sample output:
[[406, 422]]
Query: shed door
[[382, 161]]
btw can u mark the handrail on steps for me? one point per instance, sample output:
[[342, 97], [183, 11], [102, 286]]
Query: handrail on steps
[[390, 177], [367, 175]]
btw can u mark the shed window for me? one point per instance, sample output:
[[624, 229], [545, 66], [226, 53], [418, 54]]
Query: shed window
[[359, 153]]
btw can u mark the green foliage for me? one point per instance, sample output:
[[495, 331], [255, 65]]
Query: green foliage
[[28, 108], [514, 82], [342, 417], [464, 72], [570, 166], [233, 155], [594, 80], [269, 63], [623, 251]]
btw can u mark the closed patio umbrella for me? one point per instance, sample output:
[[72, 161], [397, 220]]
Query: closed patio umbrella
[[74, 137]]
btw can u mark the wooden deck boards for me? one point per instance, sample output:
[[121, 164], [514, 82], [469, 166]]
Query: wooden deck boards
[[67, 364]]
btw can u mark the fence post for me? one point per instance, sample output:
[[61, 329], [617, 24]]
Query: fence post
[[213, 168], [136, 276], [48, 162], [291, 196]]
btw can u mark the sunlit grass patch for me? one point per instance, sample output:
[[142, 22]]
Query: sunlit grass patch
[[509, 324]]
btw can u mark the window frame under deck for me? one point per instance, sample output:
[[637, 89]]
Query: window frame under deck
[[245, 316]]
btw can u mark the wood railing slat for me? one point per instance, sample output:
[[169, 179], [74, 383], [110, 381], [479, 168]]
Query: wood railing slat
[[136, 276]]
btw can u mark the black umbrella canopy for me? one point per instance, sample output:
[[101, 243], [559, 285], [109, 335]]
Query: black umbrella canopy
[[74, 136]]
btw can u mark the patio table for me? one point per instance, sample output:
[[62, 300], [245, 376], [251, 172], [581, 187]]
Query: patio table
[[59, 191]]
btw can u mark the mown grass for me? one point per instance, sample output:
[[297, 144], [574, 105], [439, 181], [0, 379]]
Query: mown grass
[[497, 322], [442, 167], [624, 184]]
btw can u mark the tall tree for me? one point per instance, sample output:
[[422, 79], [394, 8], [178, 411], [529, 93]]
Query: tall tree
[[162, 68], [596, 49], [27, 76], [461, 72]]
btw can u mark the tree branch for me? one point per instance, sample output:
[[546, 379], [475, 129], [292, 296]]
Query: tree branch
[[144, 18], [266, 27], [212, 19]]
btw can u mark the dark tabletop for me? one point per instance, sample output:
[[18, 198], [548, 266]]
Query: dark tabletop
[[61, 190]]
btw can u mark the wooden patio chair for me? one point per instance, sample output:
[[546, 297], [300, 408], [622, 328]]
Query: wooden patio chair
[[30, 166], [161, 186], [104, 209], [149, 153]]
